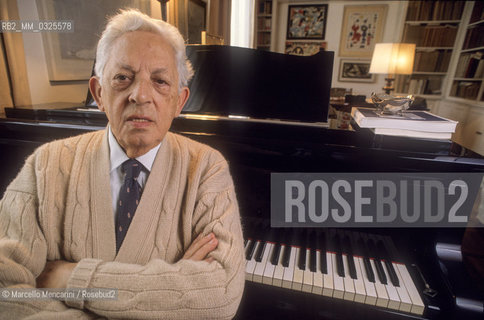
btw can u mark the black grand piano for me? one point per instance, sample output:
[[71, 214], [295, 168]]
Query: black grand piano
[[268, 112]]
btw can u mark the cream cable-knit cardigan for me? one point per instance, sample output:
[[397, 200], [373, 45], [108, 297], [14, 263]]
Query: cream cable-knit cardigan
[[59, 207]]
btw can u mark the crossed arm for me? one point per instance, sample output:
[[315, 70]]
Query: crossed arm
[[56, 274]]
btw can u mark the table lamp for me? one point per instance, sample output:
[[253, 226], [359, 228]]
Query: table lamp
[[391, 59]]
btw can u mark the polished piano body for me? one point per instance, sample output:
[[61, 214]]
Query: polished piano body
[[266, 113]]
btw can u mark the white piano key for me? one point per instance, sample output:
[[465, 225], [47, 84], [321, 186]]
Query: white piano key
[[394, 300], [360, 292], [289, 270], [307, 275], [348, 282], [417, 303], [269, 268], [339, 287], [328, 280], [250, 266], [370, 289], [298, 273], [405, 301], [381, 291], [279, 270], [318, 275], [260, 266]]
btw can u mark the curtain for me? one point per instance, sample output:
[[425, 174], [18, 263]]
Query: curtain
[[219, 19], [5, 88], [218, 22], [14, 88]]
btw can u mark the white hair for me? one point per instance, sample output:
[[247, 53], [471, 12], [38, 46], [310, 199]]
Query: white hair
[[133, 20]]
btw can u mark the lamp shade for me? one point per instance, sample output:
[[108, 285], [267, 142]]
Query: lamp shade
[[393, 58]]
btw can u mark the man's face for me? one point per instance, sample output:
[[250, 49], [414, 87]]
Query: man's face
[[139, 91]]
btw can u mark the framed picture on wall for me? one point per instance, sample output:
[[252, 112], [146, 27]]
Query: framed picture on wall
[[306, 21], [362, 27], [70, 56], [355, 71], [304, 48]]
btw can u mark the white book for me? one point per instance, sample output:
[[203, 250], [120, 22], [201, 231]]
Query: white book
[[411, 120], [412, 133]]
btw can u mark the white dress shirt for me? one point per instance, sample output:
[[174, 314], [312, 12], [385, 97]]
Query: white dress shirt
[[117, 157]]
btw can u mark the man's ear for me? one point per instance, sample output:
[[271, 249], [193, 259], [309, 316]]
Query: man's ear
[[182, 99], [95, 88]]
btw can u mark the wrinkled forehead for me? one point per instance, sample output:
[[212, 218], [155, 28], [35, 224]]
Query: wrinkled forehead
[[142, 49]]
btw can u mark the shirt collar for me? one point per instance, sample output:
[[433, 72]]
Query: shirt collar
[[118, 156]]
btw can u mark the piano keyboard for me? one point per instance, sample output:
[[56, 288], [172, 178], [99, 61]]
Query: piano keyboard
[[339, 264]]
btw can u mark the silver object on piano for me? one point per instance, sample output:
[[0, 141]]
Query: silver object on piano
[[428, 291]]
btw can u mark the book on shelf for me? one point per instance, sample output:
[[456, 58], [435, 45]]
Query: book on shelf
[[410, 120], [264, 24], [474, 38], [431, 35], [470, 65], [265, 7], [434, 10], [412, 133], [432, 61], [465, 89], [477, 12], [422, 85]]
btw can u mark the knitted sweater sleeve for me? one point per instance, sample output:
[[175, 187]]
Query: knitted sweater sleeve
[[23, 250], [185, 289]]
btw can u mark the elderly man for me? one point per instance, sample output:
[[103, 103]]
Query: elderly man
[[133, 207]]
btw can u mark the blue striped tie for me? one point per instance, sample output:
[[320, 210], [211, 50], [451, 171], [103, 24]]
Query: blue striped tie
[[129, 197]]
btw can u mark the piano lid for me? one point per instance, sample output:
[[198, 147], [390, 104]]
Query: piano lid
[[233, 81]]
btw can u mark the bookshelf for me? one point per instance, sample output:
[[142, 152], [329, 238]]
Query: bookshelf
[[468, 77], [263, 24], [433, 27]]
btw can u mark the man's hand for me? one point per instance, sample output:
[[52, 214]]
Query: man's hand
[[201, 247], [55, 274]]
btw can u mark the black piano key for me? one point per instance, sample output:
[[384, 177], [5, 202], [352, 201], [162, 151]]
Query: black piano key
[[391, 273], [286, 255], [302, 259], [312, 252], [324, 262], [250, 250], [380, 272], [349, 257], [245, 242], [275, 254], [302, 243], [322, 246], [339, 257], [388, 263], [260, 251], [312, 260], [366, 260], [378, 266], [369, 270], [339, 265], [351, 267]]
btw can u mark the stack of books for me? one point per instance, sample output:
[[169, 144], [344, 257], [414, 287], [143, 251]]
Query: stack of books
[[416, 124]]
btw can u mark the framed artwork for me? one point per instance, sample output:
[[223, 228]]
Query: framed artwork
[[70, 56], [304, 48], [306, 21], [362, 27], [355, 71]]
